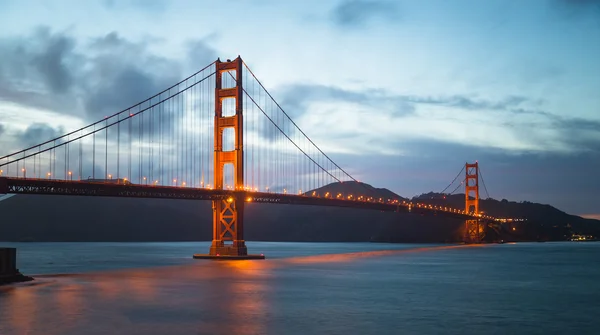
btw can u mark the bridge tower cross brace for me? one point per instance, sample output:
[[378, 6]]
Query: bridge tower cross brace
[[228, 213]]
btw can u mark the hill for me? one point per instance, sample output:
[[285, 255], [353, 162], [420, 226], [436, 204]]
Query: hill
[[544, 222], [356, 189]]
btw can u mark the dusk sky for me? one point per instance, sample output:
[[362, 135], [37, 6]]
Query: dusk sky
[[401, 93]]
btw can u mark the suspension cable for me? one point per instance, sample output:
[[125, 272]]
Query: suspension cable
[[276, 126], [300, 130], [111, 116], [483, 181], [457, 187], [105, 127], [458, 175], [308, 138]]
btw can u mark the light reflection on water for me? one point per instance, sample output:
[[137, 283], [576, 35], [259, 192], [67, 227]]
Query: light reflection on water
[[353, 256], [418, 289]]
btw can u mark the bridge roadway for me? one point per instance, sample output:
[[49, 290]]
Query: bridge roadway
[[101, 189]]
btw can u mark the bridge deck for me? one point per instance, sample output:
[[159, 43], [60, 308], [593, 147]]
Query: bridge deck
[[87, 188]]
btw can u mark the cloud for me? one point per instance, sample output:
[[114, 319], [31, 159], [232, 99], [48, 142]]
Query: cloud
[[128, 86], [123, 73], [465, 102], [295, 99], [200, 53], [147, 5], [36, 69], [515, 123], [51, 61], [580, 2], [429, 165], [577, 8], [580, 134], [322, 109], [53, 71], [37, 133], [2, 129], [357, 13], [577, 133]]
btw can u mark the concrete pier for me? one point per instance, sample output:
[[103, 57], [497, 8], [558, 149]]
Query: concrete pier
[[228, 257], [8, 267]]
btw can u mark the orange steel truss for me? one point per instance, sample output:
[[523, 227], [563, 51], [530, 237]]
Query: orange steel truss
[[474, 231]]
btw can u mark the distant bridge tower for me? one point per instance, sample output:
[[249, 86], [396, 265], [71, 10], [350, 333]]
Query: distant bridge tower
[[474, 229], [472, 188]]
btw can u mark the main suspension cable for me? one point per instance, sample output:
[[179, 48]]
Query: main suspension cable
[[458, 175]]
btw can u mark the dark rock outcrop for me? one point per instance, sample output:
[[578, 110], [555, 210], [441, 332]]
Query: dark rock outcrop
[[8, 267]]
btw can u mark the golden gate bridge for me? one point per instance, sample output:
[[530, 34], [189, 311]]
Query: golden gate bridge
[[216, 135]]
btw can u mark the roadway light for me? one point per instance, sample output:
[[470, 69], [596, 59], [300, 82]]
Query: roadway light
[[70, 175], [48, 174], [24, 172], [110, 176]]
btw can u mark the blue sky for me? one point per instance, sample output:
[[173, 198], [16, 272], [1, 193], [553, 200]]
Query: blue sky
[[419, 87]]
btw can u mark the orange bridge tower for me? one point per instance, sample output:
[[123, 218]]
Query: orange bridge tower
[[228, 213], [474, 229]]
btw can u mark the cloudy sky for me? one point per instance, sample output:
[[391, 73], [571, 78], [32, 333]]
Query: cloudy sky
[[402, 92]]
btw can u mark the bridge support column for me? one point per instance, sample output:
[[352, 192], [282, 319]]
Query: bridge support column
[[472, 188], [228, 225], [474, 231], [228, 213]]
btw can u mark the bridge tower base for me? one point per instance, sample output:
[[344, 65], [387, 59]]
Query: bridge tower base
[[228, 213], [474, 231], [228, 230]]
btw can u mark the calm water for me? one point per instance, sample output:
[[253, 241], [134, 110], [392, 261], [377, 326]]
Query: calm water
[[305, 288]]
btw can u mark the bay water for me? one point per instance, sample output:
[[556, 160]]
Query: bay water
[[305, 288]]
